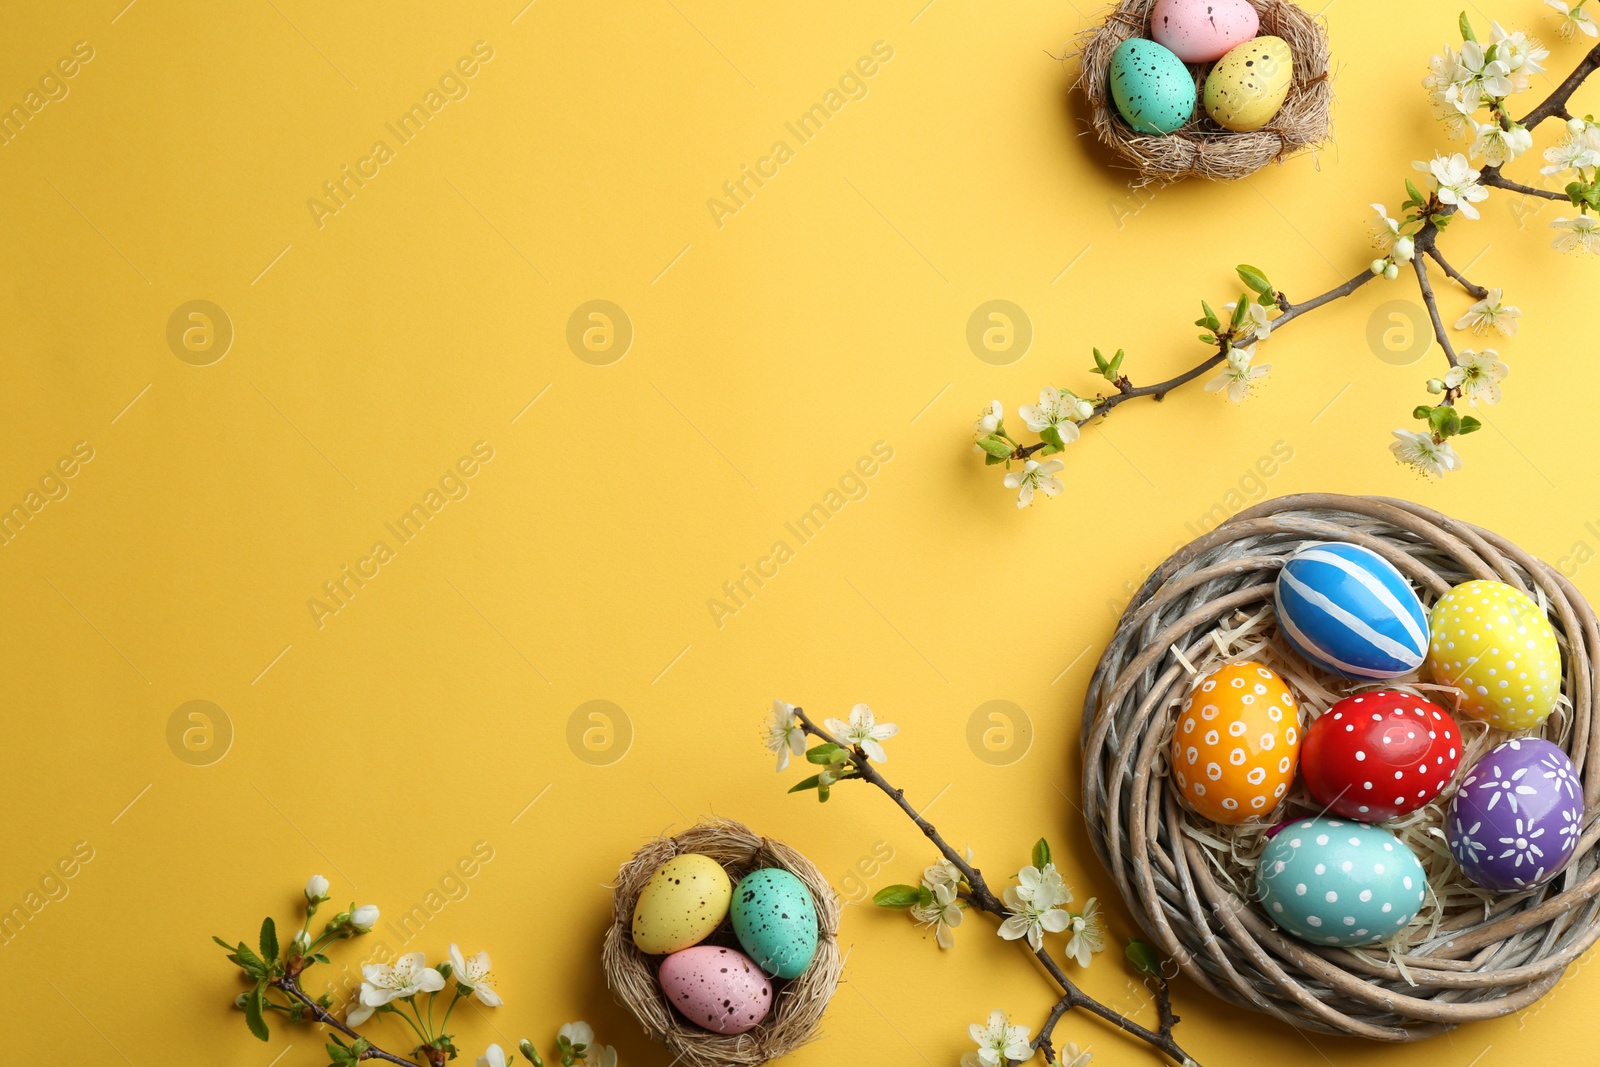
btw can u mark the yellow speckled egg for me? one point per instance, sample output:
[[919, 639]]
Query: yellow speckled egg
[[683, 902], [1236, 743], [1248, 85], [1495, 644]]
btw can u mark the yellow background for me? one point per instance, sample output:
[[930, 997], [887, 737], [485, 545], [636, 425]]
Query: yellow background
[[827, 314]]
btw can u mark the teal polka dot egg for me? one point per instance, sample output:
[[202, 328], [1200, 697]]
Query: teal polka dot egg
[[1151, 87], [1336, 882], [775, 920]]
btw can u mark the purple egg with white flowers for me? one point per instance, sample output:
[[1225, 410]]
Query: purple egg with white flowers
[[1517, 817]]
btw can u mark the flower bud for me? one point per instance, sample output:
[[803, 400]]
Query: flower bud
[[239, 1001], [301, 942], [530, 1053], [1404, 249], [1576, 125], [1391, 272], [1378, 265], [365, 917], [316, 889], [1435, 386], [1082, 410]]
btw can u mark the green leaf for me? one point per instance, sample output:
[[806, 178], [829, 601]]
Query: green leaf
[[823, 793], [1041, 853], [1116, 365], [1241, 309], [1421, 411], [1100, 364], [995, 446], [1207, 338], [269, 939], [898, 897], [822, 753], [1051, 436], [1416, 194], [991, 460], [1470, 424], [1142, 955], [253, 1011], [1254, 278], [1466, 28], [810, 783]]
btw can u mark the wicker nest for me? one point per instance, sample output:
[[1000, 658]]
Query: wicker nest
[[1480, 955], [797, 1013], [1202, 147]]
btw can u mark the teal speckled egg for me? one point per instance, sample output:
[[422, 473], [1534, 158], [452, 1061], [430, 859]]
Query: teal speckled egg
[[775, 920], [1152, 88]]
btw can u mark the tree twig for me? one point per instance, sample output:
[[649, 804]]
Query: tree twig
[[292, 987], [983, 899], [1460, 279], [1418, 263]]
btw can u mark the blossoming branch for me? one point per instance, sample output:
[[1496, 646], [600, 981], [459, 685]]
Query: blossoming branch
[[1031, 911], [1469, 90]]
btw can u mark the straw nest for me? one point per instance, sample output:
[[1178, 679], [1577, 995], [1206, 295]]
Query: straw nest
[[1202, 147], [797, 1013], [1469, 954]]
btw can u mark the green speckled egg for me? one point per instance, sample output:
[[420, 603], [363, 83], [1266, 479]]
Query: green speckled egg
[[1248, 86], [775, 920], [683, 902], [1152, 88]]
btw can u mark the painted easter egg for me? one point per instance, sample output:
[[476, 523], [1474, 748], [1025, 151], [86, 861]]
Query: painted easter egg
[[1235, 744], [1347, 610], [1200, 31], [683, 902], [1517, 817], [1379, 755], [1495, 644], [1151, 87], [1334, 882], [775, 920], [1248, 85], [718, 989]]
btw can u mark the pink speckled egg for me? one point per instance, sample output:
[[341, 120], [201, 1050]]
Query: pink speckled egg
[[718, 989], [1200, 31]]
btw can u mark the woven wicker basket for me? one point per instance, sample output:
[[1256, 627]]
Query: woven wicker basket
[[1202, 148], [797, 1013], [1475, 966]]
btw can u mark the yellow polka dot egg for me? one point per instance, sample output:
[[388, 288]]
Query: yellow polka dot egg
[[1236, 743], [1494, 643]]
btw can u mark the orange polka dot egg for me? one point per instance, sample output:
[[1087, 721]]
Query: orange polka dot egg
[[1494, 643], [1236, 744]]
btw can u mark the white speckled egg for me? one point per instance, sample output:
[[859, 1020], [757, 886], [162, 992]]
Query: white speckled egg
[[1335, 882]]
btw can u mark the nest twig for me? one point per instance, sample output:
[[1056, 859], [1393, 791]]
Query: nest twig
[[1202, 148], [797, 1012], [1469, 955]]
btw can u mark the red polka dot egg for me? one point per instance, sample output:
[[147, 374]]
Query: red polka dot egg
[[1236, 743], [1380, 755]]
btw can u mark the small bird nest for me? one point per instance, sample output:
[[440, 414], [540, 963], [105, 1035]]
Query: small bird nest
[[1470, 954], [1202, 147], [799, 1003]]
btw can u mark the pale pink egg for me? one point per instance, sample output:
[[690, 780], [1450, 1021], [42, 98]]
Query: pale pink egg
[[1200, 31], [717, 989]]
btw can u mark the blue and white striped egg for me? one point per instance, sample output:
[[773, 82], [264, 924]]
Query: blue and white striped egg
[[1336, 882], [1346, 609]]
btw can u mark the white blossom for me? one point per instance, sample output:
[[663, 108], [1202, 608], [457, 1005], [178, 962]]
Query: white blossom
[[1478, 375], [999, 1041], [1494, 75], [1055, 408], [1491, 312], [1069, 1055], [1256, 316], [1237, 376], [863, 731], [1575, 19], [1524, 56], [1387, 236], [473, 972], [941, 873], [989, 419], [1456, 182], [1088, 934], [493, 1056], [1581, 236], [1498, 145], [1035, 906], [1036, 476], [384, 982], [784, 735], [943, 913], [1579, 149], [1421, 451]]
